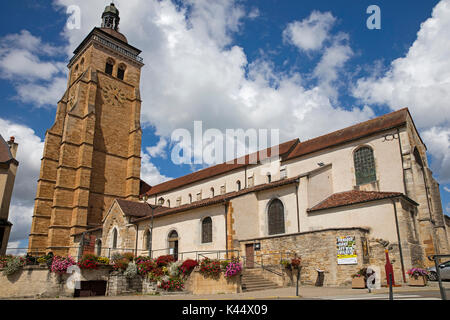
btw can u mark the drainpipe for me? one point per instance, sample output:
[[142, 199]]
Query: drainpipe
[[399, 240], [298, 209], [226, 227], [403, 165], [137, 234]]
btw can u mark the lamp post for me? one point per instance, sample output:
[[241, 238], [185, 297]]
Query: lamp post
[[150, 245]]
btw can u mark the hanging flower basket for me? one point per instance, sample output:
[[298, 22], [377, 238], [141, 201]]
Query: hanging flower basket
[[417, 277]]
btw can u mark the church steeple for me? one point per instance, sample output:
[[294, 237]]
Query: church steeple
[[110, 17]]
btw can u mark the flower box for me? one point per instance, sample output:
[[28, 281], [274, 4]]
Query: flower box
[[419, 281], [358, 283]]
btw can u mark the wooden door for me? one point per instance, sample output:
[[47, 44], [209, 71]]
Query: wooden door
[[250, 255]]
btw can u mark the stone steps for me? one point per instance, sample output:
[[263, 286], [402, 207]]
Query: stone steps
[[254, 281]]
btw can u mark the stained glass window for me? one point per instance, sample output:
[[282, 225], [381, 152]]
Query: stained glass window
[[276, 217], [364, 166]]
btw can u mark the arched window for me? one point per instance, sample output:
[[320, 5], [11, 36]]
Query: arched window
[[238, 185], [212, 192], [114, 239], [173, 244], [364, 166], [161, 201], [168, 203], [109, 66], [207, 230], [121, 71], [190, 198], [99, 248], [269, 178], [82, 64], [276, 217], [147, 240]]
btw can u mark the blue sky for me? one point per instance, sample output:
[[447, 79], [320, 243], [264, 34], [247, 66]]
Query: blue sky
[[232, 63]]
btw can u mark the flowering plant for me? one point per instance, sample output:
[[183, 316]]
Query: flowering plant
[[296, 262], [103, 260], [163, 261], [89, 261], [4, 260], [145, 266], [60, 264], [233, 268], [13, 264], [210, 267], [361, 273], [188, 266], [417, 272], [171, 285], [121, 264]]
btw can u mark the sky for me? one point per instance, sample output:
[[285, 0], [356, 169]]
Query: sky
[[304, 67]]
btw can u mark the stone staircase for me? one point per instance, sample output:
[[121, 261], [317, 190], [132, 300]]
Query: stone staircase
[[252, 280]]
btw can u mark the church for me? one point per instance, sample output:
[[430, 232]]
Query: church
[[367, 187]]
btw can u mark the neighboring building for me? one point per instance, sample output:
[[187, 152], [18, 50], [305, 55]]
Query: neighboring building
[[92, 153], [8, 170]]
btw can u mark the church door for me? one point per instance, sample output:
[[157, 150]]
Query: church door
[[250, 255]]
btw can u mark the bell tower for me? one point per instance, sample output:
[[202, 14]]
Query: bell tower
[[92, 151]]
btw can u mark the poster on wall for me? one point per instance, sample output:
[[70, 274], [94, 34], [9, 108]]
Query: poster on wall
[[346, 250]]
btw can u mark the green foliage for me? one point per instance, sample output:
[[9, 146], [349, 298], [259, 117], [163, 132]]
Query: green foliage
[[131, 270]]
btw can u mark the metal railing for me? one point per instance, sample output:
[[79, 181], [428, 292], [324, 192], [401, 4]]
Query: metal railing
[[274, 264], [78, 252]]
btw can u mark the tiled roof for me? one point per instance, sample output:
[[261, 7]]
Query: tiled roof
[[217, 199], [144, 188], [284, 149], [138, 209], [385, 122], [5, 152], [352, 197]]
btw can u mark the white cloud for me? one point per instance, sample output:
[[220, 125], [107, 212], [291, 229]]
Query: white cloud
[[150, 173], [28, 154], [254, 13], [447, 189], [159, 149], [311, 32], [438, 144], [421, 81]]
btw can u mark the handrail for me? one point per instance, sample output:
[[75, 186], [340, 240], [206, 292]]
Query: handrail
[[263, 267]]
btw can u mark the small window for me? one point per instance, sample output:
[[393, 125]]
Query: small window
[[114, 236], [250, 181], [207, 230], [178, 201], [190, 198], [238, 185], [147, 240], [109, 66], [99, 248], [364, 166], [223, 189], [212, 192], [276, 217], [168, 203], [269, 178], [283, 173], [121, 72], [161, 201]]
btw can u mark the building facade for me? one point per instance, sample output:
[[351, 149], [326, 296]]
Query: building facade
[[8, 170], [368, 185], [92, 152]]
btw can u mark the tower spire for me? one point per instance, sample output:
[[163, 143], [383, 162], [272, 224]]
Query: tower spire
[[110, 17]]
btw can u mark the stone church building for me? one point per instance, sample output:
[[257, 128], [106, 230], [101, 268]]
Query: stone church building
[[368, 184]]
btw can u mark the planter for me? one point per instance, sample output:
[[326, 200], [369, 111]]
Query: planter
[[420, 281], [358, 283]]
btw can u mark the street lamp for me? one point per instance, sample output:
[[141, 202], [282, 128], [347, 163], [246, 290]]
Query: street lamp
[[150, 253]]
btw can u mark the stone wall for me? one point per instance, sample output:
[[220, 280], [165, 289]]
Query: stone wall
[[118, 284], [199, 284], [318, 251]]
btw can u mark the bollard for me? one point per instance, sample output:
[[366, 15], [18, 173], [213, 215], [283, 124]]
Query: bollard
[[391, 293]]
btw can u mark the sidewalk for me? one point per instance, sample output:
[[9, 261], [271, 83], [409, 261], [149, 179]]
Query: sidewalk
[[305, 292]]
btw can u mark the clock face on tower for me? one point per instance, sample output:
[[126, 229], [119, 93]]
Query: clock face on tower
[[113, 95]]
